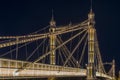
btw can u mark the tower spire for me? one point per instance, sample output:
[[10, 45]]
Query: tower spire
[[52, 19], [52, 22], [91, 5], [91, 14]]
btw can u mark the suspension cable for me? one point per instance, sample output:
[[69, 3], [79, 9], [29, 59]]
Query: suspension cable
[[75, 49], [58, 57], [73, 25], [40, 30], [98, 53], [61, 51], [66, 57], [46, 54], [61, 56], [64, 52], [41, 57], [26, 50], [67, 52], [11, 52], [71, 43], [83, 51], [15, 49], [5, 41], [66, 49], [35, 50], [44, 60]]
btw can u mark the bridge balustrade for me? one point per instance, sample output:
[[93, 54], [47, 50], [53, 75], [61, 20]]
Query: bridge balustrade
[[6, 63], [38, 69]]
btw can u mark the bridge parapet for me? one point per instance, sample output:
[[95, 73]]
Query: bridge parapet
[[9, 67], [15, 64]]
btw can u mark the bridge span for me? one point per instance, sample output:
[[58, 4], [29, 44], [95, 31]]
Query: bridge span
[[9, 67], [55, 51]]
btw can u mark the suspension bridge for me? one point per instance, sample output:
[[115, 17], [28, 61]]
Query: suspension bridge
[[55, 51]]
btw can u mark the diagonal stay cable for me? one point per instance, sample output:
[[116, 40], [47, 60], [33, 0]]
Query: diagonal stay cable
[[98, 53], [66, 51], [61, 56], [66, 58], [83, 51], [40, 30], [62, 50], [75, 49], [35, 50], [41, 57]]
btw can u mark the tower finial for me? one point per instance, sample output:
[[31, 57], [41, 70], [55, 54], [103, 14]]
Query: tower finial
[[91, 5], [91, 13], [52, 22], [52, 19]]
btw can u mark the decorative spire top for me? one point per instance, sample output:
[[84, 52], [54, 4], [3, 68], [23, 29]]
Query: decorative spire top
[[70, 23], [52, 22], [52, 19], [113, 61], [91, 6], [91, 16], [91, 13]]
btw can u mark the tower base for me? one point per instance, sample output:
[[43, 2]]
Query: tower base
[[91, 79], [52, 78]]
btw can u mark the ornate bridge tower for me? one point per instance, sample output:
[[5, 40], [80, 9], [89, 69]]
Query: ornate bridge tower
[[52, 43], [91, 40]]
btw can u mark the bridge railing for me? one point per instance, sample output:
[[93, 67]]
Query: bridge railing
[[15, 64], [8, 68]]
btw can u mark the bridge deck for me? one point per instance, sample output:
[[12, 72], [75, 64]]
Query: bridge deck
[[8, 69]]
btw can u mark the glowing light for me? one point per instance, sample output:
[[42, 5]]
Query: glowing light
[[15, 73]]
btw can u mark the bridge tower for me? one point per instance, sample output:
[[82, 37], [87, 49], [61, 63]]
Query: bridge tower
[[52, 40], [52, 43], [91, 75], [119, 76], [113, 66]]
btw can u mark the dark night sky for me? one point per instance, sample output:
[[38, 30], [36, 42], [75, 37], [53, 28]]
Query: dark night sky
[[19, 17]]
